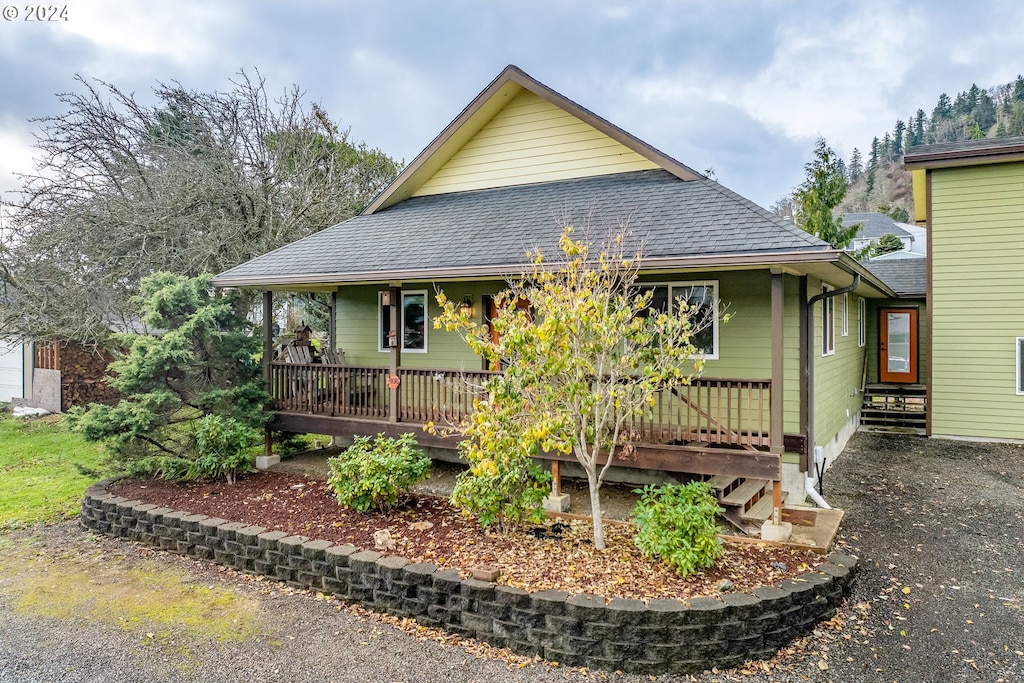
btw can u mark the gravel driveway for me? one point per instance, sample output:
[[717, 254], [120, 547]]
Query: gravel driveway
[[938, 526]]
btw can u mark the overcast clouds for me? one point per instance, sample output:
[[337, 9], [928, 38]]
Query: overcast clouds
[[740, 87]]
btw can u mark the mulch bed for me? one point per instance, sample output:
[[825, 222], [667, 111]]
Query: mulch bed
[[557, 555]]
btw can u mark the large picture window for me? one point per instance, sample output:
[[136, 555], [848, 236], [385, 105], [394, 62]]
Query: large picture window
[[412, 320], [701, 301]]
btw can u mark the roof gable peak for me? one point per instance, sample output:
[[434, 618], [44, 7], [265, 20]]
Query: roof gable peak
[[629, 152]]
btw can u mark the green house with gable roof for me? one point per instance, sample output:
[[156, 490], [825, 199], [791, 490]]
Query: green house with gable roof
[[782, 379]]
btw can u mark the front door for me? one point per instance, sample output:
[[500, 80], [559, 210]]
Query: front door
[[897, 346], [491, 312]]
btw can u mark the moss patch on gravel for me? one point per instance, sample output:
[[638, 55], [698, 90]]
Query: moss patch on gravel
[[140, 597]]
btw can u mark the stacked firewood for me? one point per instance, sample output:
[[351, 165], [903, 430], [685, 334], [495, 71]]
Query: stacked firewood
[[83, 376]]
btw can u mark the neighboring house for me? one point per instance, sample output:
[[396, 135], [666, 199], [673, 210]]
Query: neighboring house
[[782, 378], [970, 196], [874, 226], [14, 358]]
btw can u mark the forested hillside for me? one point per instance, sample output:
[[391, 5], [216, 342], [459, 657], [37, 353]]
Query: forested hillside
[[877, 180]]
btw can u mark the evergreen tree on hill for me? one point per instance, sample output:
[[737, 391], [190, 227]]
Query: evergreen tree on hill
[[818, 196]]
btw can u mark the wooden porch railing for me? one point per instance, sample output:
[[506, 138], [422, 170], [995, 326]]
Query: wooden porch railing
[[727, 412], [710, 411], [439, 396], [329, 389]]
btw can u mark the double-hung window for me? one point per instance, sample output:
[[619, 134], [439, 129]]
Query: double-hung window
[[862, 322], [828, 323], [412, 321], [701, 302]]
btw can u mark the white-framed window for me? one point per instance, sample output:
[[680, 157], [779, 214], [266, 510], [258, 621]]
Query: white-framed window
[[862, 321], [1020, 366], [828, 323], [412, 321], [701, 299], [846, 314]]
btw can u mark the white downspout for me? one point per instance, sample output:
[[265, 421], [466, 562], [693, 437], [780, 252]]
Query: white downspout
[[813, 494]]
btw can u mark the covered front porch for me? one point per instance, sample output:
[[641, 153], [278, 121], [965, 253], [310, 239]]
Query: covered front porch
[[726, 429]]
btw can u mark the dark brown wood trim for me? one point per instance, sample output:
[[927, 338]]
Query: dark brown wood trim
[[929, 302], [988, 154], [268, 357], [395, 344], [795, 443], [332, 322], [776, 403], [305, 423], [268, 336], [325, 281], [691, 459], [804, 312]]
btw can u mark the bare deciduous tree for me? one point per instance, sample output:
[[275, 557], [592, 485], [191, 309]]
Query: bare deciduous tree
[[195, 183]]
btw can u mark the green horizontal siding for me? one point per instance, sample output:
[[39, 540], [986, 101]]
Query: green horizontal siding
[[745, 342], [358, 321], [837, 377], [977, 284]]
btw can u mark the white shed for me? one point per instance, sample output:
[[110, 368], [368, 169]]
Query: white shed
[[12, 371]]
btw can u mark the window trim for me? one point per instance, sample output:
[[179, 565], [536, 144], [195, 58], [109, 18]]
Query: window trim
[[846, 315], [828, 322], [689, 284], [862, 322], [381, 342], [1020, 359]]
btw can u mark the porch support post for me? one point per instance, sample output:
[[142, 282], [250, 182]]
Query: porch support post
[[268, 356], [775, 407], [395, 344], [805, 385], [332, 322]]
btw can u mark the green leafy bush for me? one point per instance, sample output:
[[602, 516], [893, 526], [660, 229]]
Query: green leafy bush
[[677, 524], [502, 491], [369, 474], [225, 448]]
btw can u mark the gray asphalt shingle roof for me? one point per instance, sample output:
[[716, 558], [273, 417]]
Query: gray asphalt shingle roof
[[964, 146], [496, 227], [874, 225], [906, 277]]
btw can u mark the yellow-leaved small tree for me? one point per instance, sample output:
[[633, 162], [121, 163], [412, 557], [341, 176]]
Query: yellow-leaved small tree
[[584, 354]]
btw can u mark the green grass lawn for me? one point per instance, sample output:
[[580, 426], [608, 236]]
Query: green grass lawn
[[44, 470]]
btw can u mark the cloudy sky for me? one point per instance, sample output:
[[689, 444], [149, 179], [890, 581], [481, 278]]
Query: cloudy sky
[[740, 87]]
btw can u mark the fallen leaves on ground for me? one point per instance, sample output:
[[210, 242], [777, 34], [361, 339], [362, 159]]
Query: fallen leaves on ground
[[556, 555]]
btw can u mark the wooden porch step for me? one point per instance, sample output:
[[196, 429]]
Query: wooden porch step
[[896, 390], [761, 510], [883, 408], [743, 494], [723, 484], [892, 416]]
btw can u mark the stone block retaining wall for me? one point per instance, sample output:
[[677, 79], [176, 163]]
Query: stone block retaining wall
[[578, 630]]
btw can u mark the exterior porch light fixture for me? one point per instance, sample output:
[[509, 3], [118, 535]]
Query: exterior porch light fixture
[[467, 304]]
